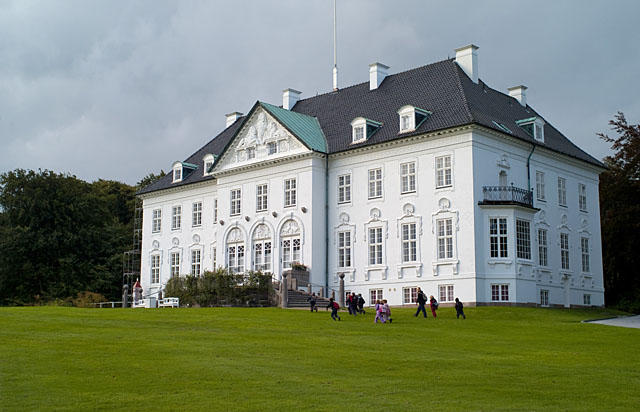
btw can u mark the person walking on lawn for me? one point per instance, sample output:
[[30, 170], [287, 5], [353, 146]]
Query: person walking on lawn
[[379, 312], [433, 304], [353, 304], [312, 301], [421, 301], [361, 303], [334, 306], [387, 311], [459, 309]]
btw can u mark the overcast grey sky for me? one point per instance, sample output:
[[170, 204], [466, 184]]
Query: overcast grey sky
[[118, 89]]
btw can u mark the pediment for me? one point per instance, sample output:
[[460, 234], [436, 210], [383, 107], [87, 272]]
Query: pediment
[[262, 138]]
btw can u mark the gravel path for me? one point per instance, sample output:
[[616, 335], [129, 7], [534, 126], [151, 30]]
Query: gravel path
[[626, 322]]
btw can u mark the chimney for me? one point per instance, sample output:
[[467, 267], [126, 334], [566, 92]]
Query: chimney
[[467, 59], [377, 73], [519, 93], [232, 117], [289, 98]]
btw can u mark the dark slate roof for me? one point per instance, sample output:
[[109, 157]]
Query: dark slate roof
[[441, 88]]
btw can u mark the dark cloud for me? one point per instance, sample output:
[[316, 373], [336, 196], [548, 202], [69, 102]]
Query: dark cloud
[[116, 90]]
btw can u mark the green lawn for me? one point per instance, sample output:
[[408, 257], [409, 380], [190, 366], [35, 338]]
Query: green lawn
[[223, 359]]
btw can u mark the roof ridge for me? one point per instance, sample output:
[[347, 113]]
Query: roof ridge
[[456, 70]]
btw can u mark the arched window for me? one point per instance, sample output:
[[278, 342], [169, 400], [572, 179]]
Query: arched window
[[235, 251], [502, 178], [290, 240], [262, 248]]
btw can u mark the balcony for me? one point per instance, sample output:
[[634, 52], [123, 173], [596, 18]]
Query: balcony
[[507, 195]]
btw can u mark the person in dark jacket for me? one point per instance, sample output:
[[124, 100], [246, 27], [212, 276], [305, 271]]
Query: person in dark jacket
[[459, 309], [433, 304], [353, 304], [361, 303], [421, 301], [334, 309], [312, 301]]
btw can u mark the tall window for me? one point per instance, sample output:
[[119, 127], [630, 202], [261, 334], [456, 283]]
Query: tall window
[[214, 258], [499, 292], [290, 252], [344, 189], [409, 295], [502, 178], [582, 197], [405, 122], [215, 211], [197, 214], [446, 293], [155, 269], [176, 217], [586, 299], [584, 247], [543, 256], [262, 199], [235, 257], [262, 248], [175, 264], [375, 183], [290, 192], [498, 237], [272, 148], [196, 259], [408, 177], [177, 174], [157, 220], [564, 250], [444, 232], [358, 133], [544, 297], [540, 185], [562, 191], [375, 246], [409, 243], [443, 171], [236, 202], [523, 239], [375, 294], [344, 249]]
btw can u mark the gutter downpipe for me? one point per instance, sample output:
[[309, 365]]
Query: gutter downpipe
[[326, 225], [528, 166]]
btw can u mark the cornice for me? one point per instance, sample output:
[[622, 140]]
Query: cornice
[[180, 188], [263, 164]]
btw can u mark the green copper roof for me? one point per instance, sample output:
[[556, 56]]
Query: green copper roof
[[302, 126]]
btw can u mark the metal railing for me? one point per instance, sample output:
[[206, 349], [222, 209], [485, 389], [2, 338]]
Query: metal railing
[[507, 195]]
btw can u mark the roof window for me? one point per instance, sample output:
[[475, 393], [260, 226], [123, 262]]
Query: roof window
[[534, 127], [362, 129], [208, 160], [411, 118], [181, 170]]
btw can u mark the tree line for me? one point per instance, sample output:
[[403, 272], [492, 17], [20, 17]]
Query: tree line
[[60, 236]]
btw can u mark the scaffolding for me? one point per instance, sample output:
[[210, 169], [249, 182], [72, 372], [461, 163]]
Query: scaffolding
[[131, 258]]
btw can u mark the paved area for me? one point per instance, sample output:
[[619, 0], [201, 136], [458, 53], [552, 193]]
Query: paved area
[[627, 322]]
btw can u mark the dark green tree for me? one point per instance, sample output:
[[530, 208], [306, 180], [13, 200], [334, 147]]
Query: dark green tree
[[620, 216]]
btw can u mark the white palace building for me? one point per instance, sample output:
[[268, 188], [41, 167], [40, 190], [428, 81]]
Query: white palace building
[[426, 178]]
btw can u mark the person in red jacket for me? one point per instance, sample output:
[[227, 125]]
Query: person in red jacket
[[433, 304]]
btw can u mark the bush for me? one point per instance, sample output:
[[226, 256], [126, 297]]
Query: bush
[[87, 299], [220, 288]]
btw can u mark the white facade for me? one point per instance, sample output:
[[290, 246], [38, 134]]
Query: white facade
[[392, 217]]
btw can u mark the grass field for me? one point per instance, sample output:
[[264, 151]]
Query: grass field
[[224, 359]]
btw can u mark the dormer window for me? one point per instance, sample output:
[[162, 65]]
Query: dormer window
[[181, 170], [177, 172], [534, 127], [363, 129], [208, 164], [411, 118]]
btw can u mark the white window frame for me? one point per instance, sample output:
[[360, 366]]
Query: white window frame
[[502, 290], [409, 243], [406, 122], [501, 239], [156, 221], [251, 153], [586, 299], [345, 249], [523, 239], [344, 188], [564, 252], [208, 161], [177, 173], [235, 198], [409, 295], [176, 217], [196, 214], [262, 260], [214, 257], [562, 191], [196, 262], [375, 186], [155, 269], [375, 294], [375, 237], [262, 197], [290, 192], [444, 172], [543, 247], [291, 251], [540, 189], [582, 197], [446, 293], [445, 239], [236, 252], [408, 177], [272, 148], [174, 261], [215, 211], [586, 258], [544, 297]]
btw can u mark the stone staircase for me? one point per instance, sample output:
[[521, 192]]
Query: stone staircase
[[298, 299]]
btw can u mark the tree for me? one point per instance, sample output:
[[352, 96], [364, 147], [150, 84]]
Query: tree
[[620, 216]]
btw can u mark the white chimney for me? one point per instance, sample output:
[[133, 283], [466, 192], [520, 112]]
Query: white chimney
[[289, 98], [467, 59], [232, 117], [377, 73], [519, 93]]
